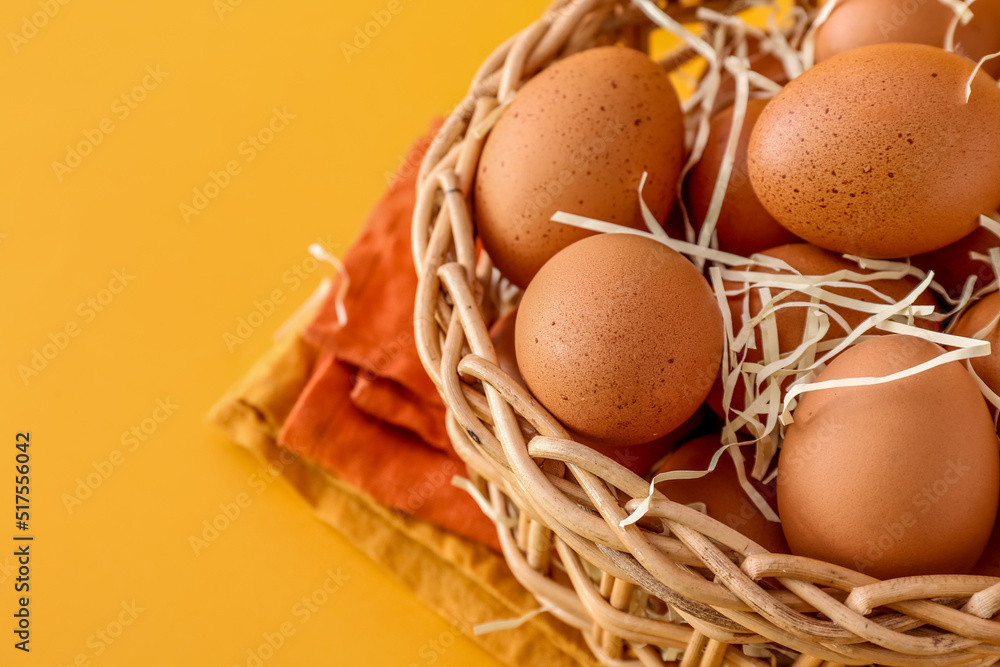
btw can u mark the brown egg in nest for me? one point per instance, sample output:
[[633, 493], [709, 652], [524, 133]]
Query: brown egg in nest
[[855, 23], [502, 335], [876, 151], [620, 338], [744, 226], [577, 138], [971, 322], [894, 479], [988, 564], [721, 492], [809, 260], [639, 458], [952, 264]]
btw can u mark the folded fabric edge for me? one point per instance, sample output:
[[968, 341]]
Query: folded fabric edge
[[463, 584]]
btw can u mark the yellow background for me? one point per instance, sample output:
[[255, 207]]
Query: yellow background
[[162, 336]]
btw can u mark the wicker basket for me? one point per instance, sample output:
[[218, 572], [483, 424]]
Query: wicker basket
[[558, 505]]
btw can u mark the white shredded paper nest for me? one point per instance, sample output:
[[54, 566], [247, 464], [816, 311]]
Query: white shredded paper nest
[[722, 42]]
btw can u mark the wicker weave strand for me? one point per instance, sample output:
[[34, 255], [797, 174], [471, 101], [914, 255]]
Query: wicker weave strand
[[566, 501]]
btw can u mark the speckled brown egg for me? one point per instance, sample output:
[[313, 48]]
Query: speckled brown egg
[[620, 338], [894, 479], [502, 335], [875, 151], [855, 23], [790, 323], [974, 320], [744, 225], [577, 138], [637, 458], [952, 264], [721, 492]]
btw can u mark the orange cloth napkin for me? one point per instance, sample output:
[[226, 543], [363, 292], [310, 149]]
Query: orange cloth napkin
[[463, 580], [369, 413]]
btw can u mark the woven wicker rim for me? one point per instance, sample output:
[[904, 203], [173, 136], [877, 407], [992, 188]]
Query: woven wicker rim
[[549, 494]]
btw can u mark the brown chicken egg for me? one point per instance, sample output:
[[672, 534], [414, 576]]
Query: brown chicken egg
[[674, 224], [577, 138], [952, 264], [790, 323], [974, 320], [744, 226], [895, 479], [502, 335], [721, 492], [855, 23], [620, 338], [641, 458], [637, 458], [876, 151], [989, 563]]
